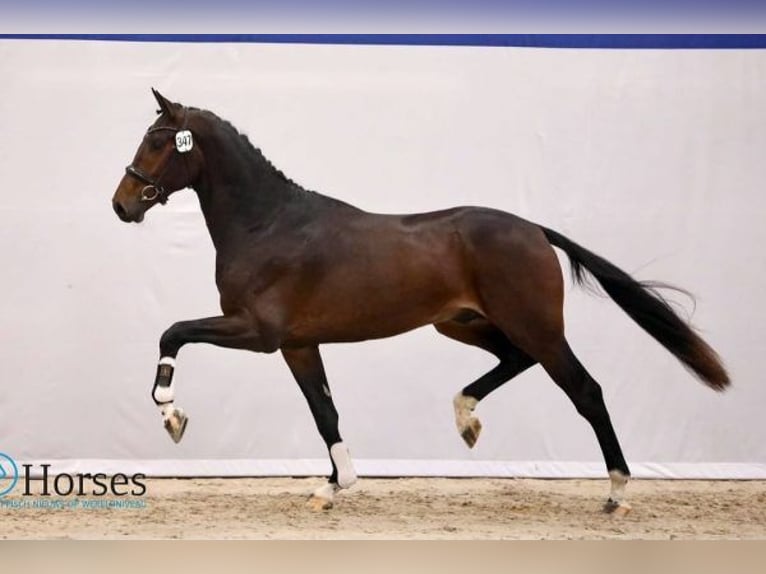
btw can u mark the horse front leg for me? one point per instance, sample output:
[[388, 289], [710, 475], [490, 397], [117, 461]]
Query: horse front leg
[[306, 366], [232, 331]]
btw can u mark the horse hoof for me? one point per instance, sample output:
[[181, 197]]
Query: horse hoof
[[617, 508], [175, 424], [318, 504], [470, 432]]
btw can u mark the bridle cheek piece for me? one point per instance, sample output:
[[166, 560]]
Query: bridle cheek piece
[[153, 190]]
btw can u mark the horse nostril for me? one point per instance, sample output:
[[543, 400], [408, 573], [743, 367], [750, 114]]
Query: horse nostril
[[119, 210]]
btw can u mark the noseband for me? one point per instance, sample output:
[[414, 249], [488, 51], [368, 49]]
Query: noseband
[[153, 190]]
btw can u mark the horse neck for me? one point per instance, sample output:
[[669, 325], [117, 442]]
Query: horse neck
[[239, 190]]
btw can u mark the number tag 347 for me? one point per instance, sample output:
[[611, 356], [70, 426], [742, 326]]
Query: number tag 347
[[184, 141]]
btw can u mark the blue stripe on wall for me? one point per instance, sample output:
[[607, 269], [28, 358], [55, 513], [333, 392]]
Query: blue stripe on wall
[[597, 41]]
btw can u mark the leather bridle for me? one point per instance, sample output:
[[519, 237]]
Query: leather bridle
[[153, 190]]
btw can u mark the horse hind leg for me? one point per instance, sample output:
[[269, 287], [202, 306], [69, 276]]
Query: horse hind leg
[[528, 309], [479, 332], [586, 395]]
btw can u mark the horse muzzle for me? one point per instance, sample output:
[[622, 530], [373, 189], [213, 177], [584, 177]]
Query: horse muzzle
[[128, 215]]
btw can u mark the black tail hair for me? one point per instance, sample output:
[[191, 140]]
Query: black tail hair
[[642, 302]]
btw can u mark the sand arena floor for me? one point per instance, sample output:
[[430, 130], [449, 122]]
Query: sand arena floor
[[409, 508]]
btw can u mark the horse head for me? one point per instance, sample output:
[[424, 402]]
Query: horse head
[[165, 162]]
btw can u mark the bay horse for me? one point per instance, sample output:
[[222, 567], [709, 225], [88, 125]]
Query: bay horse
[[296, 269]]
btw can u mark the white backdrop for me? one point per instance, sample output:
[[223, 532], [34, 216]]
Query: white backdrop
[[653, 159]]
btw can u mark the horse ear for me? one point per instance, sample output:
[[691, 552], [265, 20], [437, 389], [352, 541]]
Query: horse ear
[[166, 106]]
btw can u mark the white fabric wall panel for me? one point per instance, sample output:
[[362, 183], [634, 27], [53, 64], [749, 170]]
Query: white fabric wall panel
[[653, 159]]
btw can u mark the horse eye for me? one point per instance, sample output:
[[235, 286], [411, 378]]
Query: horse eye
[[155, 143]]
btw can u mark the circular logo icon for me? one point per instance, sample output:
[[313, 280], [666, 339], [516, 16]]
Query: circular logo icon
[[9, 474]]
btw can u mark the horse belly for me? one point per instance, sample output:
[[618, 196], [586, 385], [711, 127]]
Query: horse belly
[[396, 294]]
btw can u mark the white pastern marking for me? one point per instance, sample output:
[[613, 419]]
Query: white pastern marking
[[326, 491], [464, 407], [167, 410], [168, 361], [342, 460], [619, 480]]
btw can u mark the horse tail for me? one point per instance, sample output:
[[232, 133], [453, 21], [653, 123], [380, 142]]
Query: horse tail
[[647, 307]]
